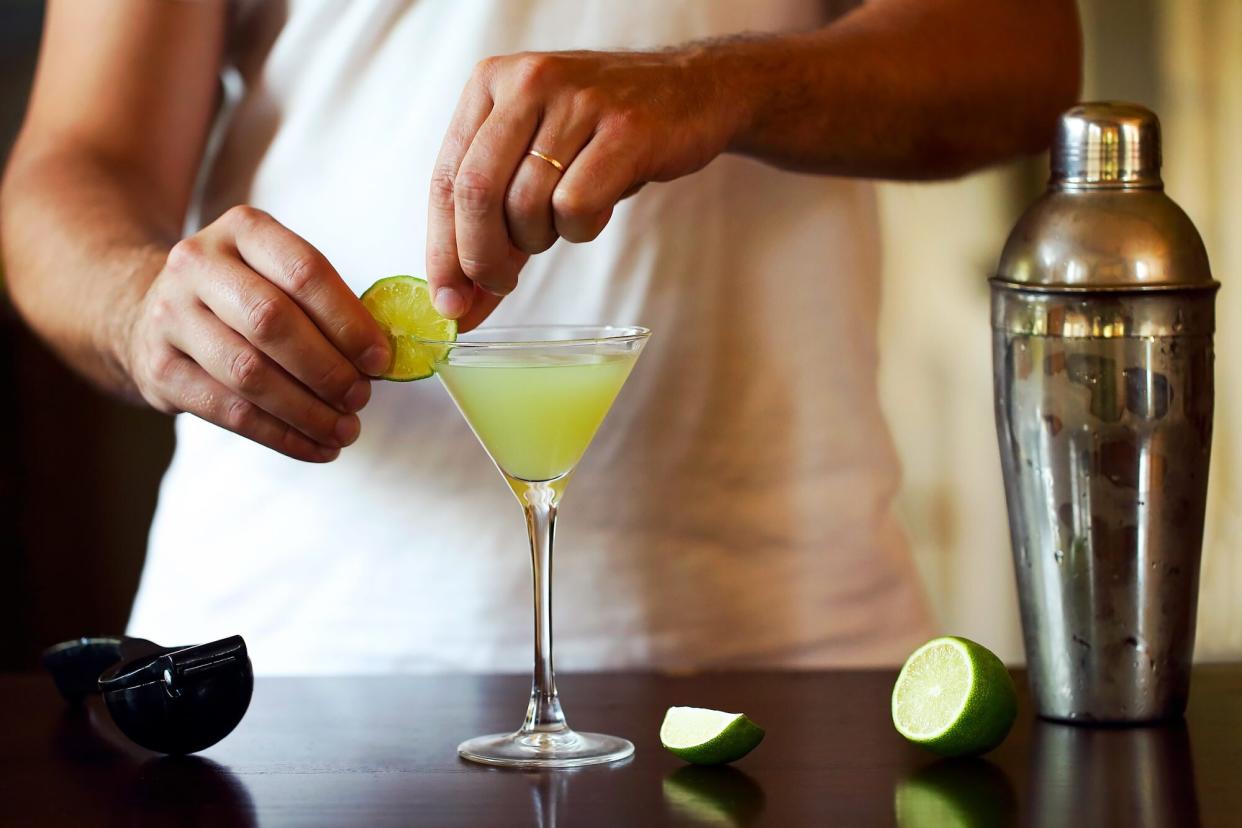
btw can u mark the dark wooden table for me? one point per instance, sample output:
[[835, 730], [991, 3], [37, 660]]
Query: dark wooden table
[[380, 751]]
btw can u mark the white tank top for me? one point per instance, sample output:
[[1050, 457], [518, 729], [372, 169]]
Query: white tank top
[[735, 507]]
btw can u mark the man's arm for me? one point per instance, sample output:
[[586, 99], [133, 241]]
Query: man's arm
[[907, 89], [100, 176], [244, 323], [910, 89]]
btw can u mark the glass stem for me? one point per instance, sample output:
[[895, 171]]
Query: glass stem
[[543, 715]]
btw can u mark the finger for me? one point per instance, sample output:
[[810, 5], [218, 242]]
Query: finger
[[451, 289], [583, 200], [270, 320], [483, 246], [288, 261], [481, 308], [241, 368], [191, 389], [528, 204]]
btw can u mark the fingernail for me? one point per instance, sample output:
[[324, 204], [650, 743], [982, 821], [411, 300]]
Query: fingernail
[[326, 454], [357, 396], [449, 302], [347, 429], [374, 360]]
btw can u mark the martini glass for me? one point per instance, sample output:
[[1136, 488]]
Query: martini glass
[[535, 396]]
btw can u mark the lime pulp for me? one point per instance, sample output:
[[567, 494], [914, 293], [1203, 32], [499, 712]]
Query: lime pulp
[[402, 307], [954, 697]]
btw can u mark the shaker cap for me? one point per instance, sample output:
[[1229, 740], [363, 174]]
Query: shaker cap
[[1105, 222], [1107, 144]]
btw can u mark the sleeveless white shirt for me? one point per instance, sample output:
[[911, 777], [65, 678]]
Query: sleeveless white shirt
[[735, 507]]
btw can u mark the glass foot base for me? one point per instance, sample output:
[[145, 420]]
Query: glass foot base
[[563, 749]]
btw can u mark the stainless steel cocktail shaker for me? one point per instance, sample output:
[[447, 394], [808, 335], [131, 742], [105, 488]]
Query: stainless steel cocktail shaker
[[1102, 322]]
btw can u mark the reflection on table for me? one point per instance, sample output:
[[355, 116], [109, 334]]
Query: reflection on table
[[1141, 777]]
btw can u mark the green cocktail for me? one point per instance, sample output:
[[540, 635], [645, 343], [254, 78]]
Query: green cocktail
[[535, 398], [535, 415]]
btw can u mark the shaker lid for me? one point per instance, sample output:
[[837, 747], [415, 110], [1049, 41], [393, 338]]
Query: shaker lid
[[1105, 222], [1107, 144]]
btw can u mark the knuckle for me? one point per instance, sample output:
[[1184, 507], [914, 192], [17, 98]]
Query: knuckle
[[153, 395], [477, 269], [485, 68], [265, 318], [533, 71], [291, 442], [529, 217], [352, 336], [152, 382], [442, 187], [573, 203], [534, 242], [587, 233], [336, 381], [498, 280], [474, 193], [317, 420], [441, 258], [161, 312], [581, 217], [246, 371], [241, 416], [500, 284], [162, 366], [300, 273], [590, 99], [186, 255], [628, 120], [525, 203], [244, 215], [161, 405], [585, 230]]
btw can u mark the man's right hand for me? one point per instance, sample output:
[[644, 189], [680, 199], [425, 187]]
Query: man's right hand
[[244, 323], [249, 327]]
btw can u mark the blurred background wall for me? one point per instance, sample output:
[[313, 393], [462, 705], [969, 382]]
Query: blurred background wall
[[78, 472]]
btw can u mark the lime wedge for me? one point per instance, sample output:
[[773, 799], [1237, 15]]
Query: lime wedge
[[954, 697], [708, 737], [402, 306]]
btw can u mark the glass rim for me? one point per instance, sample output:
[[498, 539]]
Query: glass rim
[[608, 334]]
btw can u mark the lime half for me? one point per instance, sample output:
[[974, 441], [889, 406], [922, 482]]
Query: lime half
[[402, 307], [954, 697], [708, 737]]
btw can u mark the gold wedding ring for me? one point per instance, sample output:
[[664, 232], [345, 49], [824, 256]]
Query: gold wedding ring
[[537, 154]]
